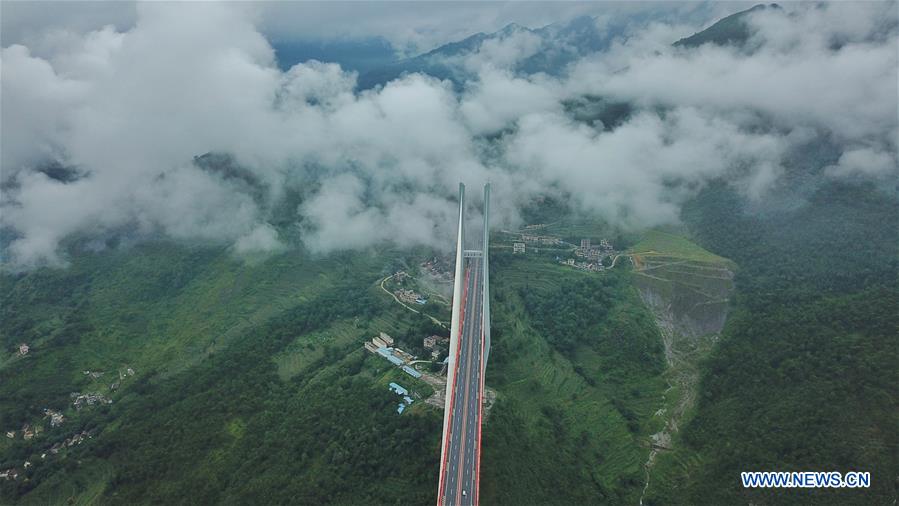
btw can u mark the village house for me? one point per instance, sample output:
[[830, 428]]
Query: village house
[[410, 296], [24, 349], [518, 247], [56, 418], [403, 355], [81, 400], [431, 342]]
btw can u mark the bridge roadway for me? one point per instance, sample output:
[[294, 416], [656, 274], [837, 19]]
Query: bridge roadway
[[464, 438]]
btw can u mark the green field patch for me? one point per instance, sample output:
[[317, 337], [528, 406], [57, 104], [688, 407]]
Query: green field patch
[[308, 348], [659, 243]]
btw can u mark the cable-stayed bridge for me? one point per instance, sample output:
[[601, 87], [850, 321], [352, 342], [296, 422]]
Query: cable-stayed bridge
[[460, 457]]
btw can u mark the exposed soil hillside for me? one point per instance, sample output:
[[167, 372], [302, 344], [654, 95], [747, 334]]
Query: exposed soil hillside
[[686, 288]]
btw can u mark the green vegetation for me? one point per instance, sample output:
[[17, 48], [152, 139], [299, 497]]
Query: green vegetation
[[804, 377], [664, 244], [251, 385], [572, 413], [225, 405], [729, 30]]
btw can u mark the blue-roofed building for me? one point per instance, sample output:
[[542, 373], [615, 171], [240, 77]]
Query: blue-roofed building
[[408, 399], [401, 408], [388, 354], [398, 389], [411, 372]]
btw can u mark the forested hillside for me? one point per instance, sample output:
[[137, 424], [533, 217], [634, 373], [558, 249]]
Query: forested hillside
[[805, 376], [250, 382]]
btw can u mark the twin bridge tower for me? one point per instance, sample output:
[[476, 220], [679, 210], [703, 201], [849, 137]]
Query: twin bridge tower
[[460, 455]]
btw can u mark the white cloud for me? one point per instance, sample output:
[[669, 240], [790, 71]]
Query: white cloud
[[262, 239], [796, 77], [131, 108], [865, 161], [641, 172]]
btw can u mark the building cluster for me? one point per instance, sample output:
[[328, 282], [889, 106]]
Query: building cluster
[[593, 255], [592, 251], [382, 340], [546, 240], [77, 439], [406, 402], [383, 345], [81, 400], [518, 247], [410, 296], [56, 418], [438, 267], [434, 343], [584, 266], [28, 432]]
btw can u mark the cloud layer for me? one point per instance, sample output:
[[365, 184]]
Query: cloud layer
[[131, 109]]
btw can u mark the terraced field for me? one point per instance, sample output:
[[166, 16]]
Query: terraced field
[[228, 354], [581, 414]]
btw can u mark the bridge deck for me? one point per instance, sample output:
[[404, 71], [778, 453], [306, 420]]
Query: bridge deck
[[460, 469]]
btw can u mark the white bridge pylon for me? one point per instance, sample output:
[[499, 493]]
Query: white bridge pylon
[[460, 449]]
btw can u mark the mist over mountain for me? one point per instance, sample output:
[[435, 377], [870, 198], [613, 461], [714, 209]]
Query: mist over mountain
[[548, 50], [356, 55], [226, 278], [331, 158]]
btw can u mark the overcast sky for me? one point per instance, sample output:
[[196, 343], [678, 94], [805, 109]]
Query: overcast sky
[[129, 95], [411, 27]]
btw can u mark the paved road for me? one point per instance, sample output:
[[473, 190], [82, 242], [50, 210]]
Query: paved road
[[461, 478]]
